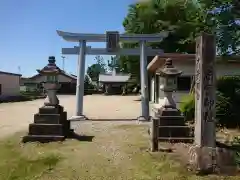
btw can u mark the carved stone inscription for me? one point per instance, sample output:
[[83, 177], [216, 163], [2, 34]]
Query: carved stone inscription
[[197, 71], [208, 93], [205, 91], [205, 80]]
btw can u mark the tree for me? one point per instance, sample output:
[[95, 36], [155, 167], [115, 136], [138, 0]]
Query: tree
[[95, 69], [177, 17], [114, 63], [225, 14], [87, 83], [184, 20]]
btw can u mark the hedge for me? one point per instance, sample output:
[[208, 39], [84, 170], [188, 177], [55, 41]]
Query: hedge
[[227, 105]]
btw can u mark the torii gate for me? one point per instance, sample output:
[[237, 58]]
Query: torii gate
[[112, 38]]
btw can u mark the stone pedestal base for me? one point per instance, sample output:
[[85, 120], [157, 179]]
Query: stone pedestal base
[[172, 125], [50, 124], [78, 118], [143, 119], [206, 160]]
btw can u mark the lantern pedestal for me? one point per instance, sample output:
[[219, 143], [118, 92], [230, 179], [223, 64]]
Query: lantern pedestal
[[172, 125], [50, 124]]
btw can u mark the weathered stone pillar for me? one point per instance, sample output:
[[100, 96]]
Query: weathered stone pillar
[[203, 152]]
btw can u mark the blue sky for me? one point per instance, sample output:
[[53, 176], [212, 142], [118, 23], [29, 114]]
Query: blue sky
[[28, 30]]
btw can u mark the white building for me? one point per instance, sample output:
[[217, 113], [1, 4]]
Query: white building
[[9, 84], [185, 63]]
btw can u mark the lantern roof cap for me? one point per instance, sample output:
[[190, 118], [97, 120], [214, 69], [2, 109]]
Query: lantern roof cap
[[51, 67], [169, 69]]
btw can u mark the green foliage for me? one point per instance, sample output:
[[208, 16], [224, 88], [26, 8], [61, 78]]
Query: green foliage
[[114, 63], [177, 17], [236, 143], [224, 15], [228, 101], [184, 20], [95, 69], [227, 105], [187, 107], [20, 98], [87, 83]]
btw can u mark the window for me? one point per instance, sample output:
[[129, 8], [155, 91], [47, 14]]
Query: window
[[184, 83], [51, 78]]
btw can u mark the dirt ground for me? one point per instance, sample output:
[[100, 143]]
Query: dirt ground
[[114, 149], [16, 116]]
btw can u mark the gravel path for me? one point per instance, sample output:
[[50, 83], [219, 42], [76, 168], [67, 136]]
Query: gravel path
[[16, 116]]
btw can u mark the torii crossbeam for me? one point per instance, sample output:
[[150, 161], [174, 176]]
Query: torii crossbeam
[[112, 38]]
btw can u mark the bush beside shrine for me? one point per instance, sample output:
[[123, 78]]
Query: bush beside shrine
[[227, 105], [24, 96]]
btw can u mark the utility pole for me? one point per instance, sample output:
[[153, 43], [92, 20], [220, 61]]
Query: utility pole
[[63, 62], [19, 69]]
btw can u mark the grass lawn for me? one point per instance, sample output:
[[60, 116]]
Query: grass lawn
[[118, 152]]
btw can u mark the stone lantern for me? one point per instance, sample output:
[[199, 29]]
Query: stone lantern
[[170, 122], [51, 85], [169, 76], [50, 123]]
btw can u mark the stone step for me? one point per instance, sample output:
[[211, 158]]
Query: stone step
[[51, 110], [170, 120], [170, 117], [176, 139], [46, 129], [169, 112], [175, 131], [47, 119], [42, 138], [171, 123]]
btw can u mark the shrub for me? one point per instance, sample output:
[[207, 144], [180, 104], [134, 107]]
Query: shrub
[[187, 107], [228, 101], [15, 99], [236, 142], [31, 93], [227, 105]]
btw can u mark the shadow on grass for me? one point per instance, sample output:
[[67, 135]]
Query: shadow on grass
[[73, 135]]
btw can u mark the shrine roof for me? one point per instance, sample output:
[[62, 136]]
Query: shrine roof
[[114, 78], [62, 72], [9, 73], [158, 61]]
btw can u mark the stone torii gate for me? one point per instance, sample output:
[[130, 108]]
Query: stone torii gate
[[112, 39]]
